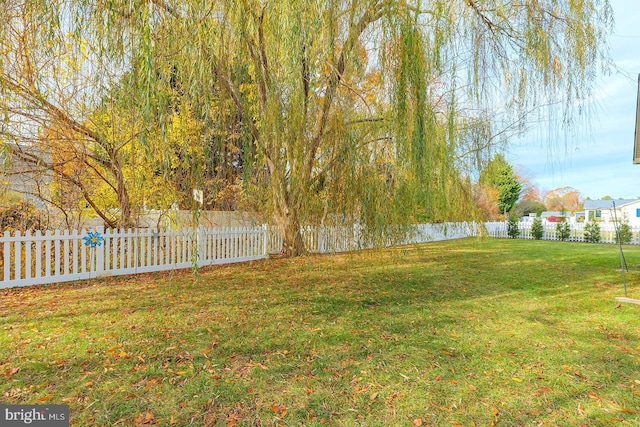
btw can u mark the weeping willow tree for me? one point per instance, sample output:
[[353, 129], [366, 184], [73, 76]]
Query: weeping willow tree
[[344, 111]]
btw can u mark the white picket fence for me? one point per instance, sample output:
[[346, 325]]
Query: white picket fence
[[60, 256], [342, 239], [607, 231], [52, 257]]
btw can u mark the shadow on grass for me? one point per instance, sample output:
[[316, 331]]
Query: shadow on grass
[[515, 331]]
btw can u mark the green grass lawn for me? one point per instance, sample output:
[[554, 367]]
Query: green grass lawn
[[468, 332]]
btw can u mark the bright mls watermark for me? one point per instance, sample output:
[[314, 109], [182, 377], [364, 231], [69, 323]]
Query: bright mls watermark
[[34, 415]]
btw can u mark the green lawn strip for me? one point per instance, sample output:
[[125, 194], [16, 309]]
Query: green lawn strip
[[464, 332]]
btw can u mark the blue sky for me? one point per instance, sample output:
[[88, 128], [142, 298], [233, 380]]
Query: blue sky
[[599, 162]]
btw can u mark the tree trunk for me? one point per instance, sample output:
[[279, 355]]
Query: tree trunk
[[125, 205], [122, 195], [292, 242], [287, 218]]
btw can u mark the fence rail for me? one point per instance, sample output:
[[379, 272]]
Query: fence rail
[[60, 256]]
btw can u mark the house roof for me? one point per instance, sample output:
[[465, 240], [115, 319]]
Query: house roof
[[607, 204]]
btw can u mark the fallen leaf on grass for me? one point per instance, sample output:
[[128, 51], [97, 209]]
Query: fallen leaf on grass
[[495, 420], [11, 372], [417, 422], [259, 365], [146, 418], [281, 410], [442, 408]]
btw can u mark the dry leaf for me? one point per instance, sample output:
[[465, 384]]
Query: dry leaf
[[12, 371], [148, 418]]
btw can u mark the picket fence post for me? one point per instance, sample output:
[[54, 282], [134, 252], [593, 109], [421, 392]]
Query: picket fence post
[[7, 257], [200, 247], [99, 253], [265, 240], [322, 232]]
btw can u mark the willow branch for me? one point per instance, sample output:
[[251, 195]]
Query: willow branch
[[371, 15]]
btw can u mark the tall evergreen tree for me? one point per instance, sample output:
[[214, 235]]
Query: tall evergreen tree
[[499, 174]]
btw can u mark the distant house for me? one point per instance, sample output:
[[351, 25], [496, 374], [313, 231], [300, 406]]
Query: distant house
[[21, 176], [555, 216], [550, 216], [603, 210]]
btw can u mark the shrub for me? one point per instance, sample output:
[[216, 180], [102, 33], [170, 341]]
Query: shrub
[[563, 230], [512, 227], [592, 232], [536, 229], [624, 234]]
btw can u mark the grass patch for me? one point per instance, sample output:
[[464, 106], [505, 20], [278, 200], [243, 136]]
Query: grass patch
[[463, 332]]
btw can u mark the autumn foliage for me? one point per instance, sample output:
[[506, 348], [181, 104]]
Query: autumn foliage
[[563, 199], [21, 216]]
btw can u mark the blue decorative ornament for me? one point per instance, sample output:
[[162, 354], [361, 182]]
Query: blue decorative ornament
[[93, 239]]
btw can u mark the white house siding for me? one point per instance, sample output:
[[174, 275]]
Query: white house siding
[[631, 211], [624, 209]]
